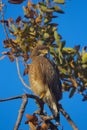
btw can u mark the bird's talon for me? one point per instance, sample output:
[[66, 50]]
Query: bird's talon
[[37, 112]]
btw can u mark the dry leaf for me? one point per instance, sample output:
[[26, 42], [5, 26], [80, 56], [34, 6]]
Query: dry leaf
[[29, 4], [15, 1], [32, 126], [18, 20], [44, 126], [38, 20], [10, 20], [33, 119]]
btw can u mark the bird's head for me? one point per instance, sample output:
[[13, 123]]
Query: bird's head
[[40, 50]]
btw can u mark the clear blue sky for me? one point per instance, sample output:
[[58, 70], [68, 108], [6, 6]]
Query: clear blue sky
[[73, 28]]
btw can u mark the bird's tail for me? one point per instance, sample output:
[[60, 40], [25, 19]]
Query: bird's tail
[[53, 105]]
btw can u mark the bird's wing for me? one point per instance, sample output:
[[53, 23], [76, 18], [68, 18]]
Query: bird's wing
[[50, 80], [51, 77]]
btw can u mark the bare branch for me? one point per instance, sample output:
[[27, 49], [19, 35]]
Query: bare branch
[[19, 74], [15, 1], [1, 5], [21, 96], [21, 112], [2, 57], [45, 118], [66, 115], [84, 96], [4, 25], [11, 98]]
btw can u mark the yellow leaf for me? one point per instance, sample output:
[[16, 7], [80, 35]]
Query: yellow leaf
[[57, 37], [46, 35], [58, 9], [14, 29], [59, 1], [46, 20], [32, 126], [45, 8], [84, 58], [38, 20], [68, 50], [72, 92], [31, 29], [44, 126], [29, 4]]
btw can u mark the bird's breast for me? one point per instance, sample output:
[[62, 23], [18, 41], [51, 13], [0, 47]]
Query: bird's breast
[[37, 83]]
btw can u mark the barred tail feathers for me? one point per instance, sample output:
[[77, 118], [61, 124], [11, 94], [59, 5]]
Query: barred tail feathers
[[52, 103]]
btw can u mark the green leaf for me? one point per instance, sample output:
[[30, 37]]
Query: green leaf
[[58, 9], [46, 35], [86, 85], [54, 29], [45, 8], [46, 20], [62, 70], [69, 50], [84, 66], [72, 92], [31, 29], [57, 37], [84, 58], [14, 29], [63, 44], [59, 1]]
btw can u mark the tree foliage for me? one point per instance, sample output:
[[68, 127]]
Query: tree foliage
[[38, 27]]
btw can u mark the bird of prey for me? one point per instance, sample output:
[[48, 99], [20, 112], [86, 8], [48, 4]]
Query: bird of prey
[[44, 79]]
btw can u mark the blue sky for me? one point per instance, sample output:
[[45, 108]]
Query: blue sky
[[73, 28]]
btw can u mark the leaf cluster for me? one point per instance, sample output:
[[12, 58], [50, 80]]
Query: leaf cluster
[[38, 124], [38, 27]]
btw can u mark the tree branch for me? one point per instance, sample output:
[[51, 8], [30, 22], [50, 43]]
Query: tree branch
[[4, 25], [21, 96], [45, 118], [2, 57], [21, 112], [19, 74], [66, 115], [11, 98], [23, 106]]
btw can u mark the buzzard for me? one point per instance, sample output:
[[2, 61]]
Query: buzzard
[[44, 79]]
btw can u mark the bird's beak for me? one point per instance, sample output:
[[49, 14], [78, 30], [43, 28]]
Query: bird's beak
[[45, 51]]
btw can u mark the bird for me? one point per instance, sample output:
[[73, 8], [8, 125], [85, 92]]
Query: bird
[[44, 79]]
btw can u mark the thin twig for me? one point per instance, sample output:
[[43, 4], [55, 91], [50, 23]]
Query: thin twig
[[11, 98], [1, 5], [84, 96], [4, 26], [21, 96], [2, 57], [66, 115], [21, 112], [19, 74], [47, 118], [51, 125], [23, 105]]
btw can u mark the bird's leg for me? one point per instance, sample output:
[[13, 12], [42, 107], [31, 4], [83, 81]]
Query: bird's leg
[[41, 107], [40, 103]]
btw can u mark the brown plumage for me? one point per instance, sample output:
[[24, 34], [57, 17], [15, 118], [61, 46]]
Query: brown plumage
[[44, 79]]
